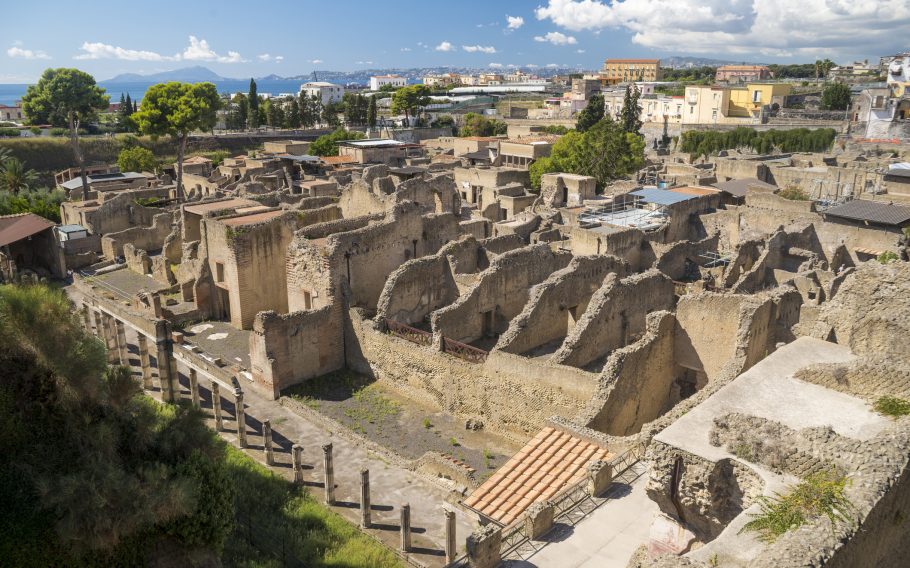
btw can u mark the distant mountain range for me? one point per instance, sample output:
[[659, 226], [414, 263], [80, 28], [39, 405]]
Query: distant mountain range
[[690, 62], [192, 74]]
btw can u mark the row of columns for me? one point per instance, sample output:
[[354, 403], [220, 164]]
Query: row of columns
[[113, 332]]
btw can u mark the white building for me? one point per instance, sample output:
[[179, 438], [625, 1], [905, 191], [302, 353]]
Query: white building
[[327, 92], [381, 81]]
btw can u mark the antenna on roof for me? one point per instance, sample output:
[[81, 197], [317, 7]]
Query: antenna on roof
[[315, 78]]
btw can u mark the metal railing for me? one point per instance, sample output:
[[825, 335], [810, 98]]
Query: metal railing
[[464, 351], [409, 333]]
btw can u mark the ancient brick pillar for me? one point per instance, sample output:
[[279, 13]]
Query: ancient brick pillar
[[86, 318], [216, 406], [484, 547], [241, 417], [267, 441], [297, 462], [163, 357], [405, 527], [194, 388], [329, 473], [451, 547], [122, 349], [539, 519], [99, 325], [600, 476], [110, 339], [145, 362], [364, 498]]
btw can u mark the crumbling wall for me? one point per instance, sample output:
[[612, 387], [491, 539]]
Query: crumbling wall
[[629, 244], [417, 288], [556, 304], [318, 215], [680, 260], [616, 316], [323, 229], [291, 348], [501, 292], [503, 244], [146, 238]]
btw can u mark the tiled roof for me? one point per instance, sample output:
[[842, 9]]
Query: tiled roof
[[551, 461], [688, 190], [872, 211], [21, 225]]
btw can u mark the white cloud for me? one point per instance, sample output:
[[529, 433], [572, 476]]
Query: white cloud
[[531, 66], [268, 57], [811, 28], [495, 65], [22, 53], [315, 61], [515, 22], [364, 63], [445, 46], [552, 65], [421, 44], [579, 51], [279, 58], [405, 49], [557, 38], [478, 48], [197, 50]]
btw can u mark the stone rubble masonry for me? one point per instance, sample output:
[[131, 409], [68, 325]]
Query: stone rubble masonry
[[145, 238], [484, 547], [600, 476], [538, 519]]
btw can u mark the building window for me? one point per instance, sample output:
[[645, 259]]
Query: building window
[[219, 272], [756, 96]]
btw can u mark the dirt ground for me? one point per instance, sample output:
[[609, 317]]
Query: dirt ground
[[405, 426]]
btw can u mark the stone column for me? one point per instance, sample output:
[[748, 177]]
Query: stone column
[[86, 318], [241, 417], [297, 462], [194, 388], [267, 441], [216, 406], [329, 474], [364, 498], [163, 357], [145, 362], [110, 339], [539, 519], [99, 325], [484, 547], [122, 348], [405, 527], [451, 550]]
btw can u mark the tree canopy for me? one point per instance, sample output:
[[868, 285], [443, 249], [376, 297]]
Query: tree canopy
[[630, 115], [604, 152], [836, 96], [707, 142], [327, 145], [591, 114], [136, 159], [410, 100], [479, 125]]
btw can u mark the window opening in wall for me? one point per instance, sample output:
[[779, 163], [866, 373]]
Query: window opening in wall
[[307, 300], [219, 272]]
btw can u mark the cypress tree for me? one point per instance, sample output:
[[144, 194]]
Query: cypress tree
[[254, 105], [371, 113]]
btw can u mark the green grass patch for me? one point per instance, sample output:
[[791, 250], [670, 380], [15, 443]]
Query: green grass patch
[[820, 494], [892, 406], [280, 524]]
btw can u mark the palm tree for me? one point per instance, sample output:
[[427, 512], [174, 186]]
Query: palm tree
[[14, 177]]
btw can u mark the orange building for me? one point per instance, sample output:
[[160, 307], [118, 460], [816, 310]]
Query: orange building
[[630, 70]]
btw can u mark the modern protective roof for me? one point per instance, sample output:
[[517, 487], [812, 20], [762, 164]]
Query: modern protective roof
[[550, 462], [661, 196], [76, 183], [880, 212], [739, 187], [17, 227], [373, 143]]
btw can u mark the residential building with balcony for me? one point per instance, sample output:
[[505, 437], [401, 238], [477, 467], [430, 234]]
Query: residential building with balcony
[[616, 71]]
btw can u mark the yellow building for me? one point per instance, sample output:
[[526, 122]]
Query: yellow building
[[628, 70], [725, 105]]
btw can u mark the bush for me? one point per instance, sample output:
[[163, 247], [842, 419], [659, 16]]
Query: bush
[[708, 142], [892, 406], [44, 202], [136, 159], [9, 132], [479, 125], [793, 193], [887, 257], [327, 145], [819, 494]]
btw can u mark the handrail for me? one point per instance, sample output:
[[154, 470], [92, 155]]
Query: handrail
[[463, 350], [409, 333]]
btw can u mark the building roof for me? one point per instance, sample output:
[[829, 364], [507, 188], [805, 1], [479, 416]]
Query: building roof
[[17, 227], [76, 182], [71, 228], [548, 463], [661, 196], [299, 158], [698, 191], [373, 143], [542, 139], [318, 84], [210, 206], [251, 219], [632, 61], [478, 155], [741, 67], [872, 211], [197, 160], [408, 170], [739, 187]]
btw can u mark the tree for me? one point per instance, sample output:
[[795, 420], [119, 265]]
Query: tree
[[330, 114], [242, 110], [591, 114], [372, 112], [15, 177], [479, 125], [410, 100], [310, 110], [630, 115], [836, 96], [124, 112], [253, 97], [327, 145], [291, 113], [65, 96], [177, 109], [136, 159], [605, 152]]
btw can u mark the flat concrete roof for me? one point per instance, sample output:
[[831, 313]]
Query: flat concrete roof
[[206, 207], [251, 219]]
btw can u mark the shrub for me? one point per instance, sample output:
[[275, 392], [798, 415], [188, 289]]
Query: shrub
[[793, 193], [9, 132], [822, 493], [327, 145], [892, 406], [707, 142], [887, 257], [136, 159]]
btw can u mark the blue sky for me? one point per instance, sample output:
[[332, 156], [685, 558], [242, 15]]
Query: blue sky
[[240, 39]]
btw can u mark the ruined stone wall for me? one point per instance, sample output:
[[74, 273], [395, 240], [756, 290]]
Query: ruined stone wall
[[142, 237], [773, 202], [684, 217], [115, 214], [676, 259], [470, 390], [616, 316], [502, 290], [310, 275], [435, 194], [326, 228], [328, 213], [731, 168], [557, 303], [636, 385], [417, 288], [502, 244], [628, 244], [291, 348]]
